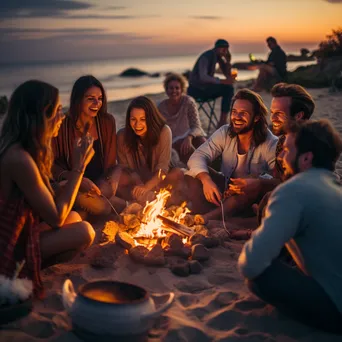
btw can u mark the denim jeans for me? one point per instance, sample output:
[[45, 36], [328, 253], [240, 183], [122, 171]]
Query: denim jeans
[[297, 296]]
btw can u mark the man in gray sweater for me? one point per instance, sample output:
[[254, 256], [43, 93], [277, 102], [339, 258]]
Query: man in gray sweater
[[203, 84], [304, 215]]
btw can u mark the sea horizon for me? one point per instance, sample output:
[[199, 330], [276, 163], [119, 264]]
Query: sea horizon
[[63, 74]]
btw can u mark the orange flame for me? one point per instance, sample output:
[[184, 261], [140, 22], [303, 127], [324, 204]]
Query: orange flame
[[151, 226]]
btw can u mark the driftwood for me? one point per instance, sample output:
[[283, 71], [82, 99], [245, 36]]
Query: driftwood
[[175, 227]]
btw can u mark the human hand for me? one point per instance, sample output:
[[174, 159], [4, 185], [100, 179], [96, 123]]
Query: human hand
[[139, 190], [240, 186], [83, 150], [211, 192], [186, 146], [89, 187]]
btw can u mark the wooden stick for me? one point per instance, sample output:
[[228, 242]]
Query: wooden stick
[[180, 228]]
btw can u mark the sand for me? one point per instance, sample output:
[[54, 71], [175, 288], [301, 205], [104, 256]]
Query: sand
[[212, 306]]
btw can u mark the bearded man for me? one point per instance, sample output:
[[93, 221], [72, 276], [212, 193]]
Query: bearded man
[[304, 216], [247, 148]]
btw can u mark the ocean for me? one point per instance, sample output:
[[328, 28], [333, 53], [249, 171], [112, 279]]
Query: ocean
[[63, 74]]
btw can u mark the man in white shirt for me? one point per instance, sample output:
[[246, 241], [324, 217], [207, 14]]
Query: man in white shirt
[[303, 215], [247, 148]]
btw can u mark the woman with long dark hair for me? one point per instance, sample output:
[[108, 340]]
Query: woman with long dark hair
[[144, 150], [88, 106], [35, 224]]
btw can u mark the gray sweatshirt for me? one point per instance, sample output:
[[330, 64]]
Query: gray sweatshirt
[[304, 214]]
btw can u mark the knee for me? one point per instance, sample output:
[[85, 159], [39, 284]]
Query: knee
[[87, 233], [73, 217]]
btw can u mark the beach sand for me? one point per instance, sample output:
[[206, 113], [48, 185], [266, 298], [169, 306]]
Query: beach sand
[[212, 306]]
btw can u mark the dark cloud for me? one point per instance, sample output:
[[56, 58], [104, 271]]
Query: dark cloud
[[39, 8], [206, 17], [334, 1], [71, 45], [63, 30], [95, 16], [116, 8], [70, 34]]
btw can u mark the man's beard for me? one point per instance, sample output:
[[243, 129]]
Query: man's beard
[[294, 169], [244, 130], [280, 131]]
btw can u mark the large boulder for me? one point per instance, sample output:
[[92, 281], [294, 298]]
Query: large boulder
[[133, 72], [319, 75]]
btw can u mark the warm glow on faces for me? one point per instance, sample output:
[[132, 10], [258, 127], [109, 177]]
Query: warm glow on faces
[[56, 118], [242, 117], [174, 90], [280, 114], [92, 102], [138, 122], [288, 156]]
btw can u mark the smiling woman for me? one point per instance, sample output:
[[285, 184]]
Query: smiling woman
[[144, 150], [88, 116]]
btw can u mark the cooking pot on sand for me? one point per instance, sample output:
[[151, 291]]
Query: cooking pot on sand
[[112, 307]]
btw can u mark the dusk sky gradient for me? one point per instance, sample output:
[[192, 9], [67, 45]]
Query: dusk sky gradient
[[45, 30]]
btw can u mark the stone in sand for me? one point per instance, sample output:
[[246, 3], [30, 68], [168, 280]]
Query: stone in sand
[[221, 234], [200, 229], [124, 239], [181, 269], [197, 238], [199, 252], [133, 208], [188, 220], [131, 221], [105, 256], [195, 267], [155, 257], [199, 220], [109, 231], [138, 253], [174, 241], [184, 252], [211, 242]]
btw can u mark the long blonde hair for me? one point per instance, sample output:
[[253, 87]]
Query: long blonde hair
[[27, 123]]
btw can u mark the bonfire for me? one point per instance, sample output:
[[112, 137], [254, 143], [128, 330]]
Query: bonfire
[[159, 235]]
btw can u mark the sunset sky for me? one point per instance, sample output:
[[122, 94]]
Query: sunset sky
[[33, 30]]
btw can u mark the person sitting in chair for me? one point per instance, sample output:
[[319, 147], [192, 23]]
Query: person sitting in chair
[[203, 84]]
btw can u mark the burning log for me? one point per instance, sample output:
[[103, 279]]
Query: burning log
[[175, 227]]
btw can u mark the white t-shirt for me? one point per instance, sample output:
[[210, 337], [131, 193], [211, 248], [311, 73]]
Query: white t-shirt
[[241, 167]]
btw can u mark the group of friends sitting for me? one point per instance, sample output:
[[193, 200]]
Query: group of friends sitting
[[54, 167]]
